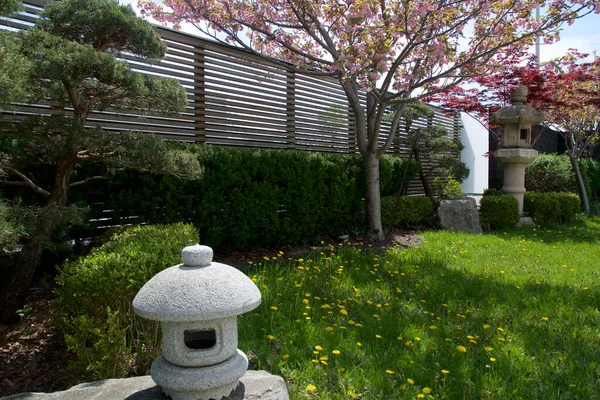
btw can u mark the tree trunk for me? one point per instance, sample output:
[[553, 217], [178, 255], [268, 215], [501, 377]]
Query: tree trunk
[[20, 275], [373, 196], [580, 182], [16, 285], [423, 178]]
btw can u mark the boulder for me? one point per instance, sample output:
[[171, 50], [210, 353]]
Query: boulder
[[460, 215], [254, 385]]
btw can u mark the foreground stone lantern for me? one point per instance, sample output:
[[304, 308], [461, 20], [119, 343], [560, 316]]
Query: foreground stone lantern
[[516, 152], [197, 303]]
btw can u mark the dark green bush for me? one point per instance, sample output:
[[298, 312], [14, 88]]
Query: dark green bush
[[492, 192], [590, 169], [250, 198], [412, 211], [550, 173], [95, 294], [497, 211], [551, 207]]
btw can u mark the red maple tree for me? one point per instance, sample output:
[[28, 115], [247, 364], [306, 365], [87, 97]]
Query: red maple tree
[[566, 89]]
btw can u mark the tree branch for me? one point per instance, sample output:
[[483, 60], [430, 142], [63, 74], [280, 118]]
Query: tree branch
[[86, 180], [26, 181]]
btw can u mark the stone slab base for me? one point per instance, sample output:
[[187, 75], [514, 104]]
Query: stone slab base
[[254, 385]]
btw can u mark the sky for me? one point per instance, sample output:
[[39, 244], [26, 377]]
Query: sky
[[583, 35]]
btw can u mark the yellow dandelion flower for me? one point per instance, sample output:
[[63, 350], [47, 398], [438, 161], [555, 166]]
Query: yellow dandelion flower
[[270, 337], [462, 349], [421, 395], [359, 344], [410, 381], [311, 388], [433, 327], [492, 359], [426, 390], [315, 361], [285, 356], [323, 358], [500, 330], [544, 318], [274, 308], [417, 339], [336, 352], [486, 326], [343, 311], [389, 372], [445, 371], [324, 362], [501, 339], [318, 348], [378, 336]]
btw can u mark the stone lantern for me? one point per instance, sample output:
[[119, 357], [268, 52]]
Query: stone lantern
[[197, 303], [516, 152]]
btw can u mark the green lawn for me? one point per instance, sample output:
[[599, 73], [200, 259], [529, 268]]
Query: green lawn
[[506, 315]]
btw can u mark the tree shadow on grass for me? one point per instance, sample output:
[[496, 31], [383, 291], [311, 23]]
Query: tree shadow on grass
[[580, 231]]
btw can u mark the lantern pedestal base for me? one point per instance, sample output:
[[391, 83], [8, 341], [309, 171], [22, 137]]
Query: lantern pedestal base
[[515, 161], [199, 383]]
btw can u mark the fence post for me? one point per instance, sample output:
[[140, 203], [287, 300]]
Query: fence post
[[291, 108], [199, 97]]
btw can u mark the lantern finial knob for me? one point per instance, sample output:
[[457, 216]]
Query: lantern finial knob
[[197, 256], [519, 95]]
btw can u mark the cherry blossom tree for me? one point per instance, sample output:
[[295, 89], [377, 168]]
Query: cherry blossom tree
[[395, 50]]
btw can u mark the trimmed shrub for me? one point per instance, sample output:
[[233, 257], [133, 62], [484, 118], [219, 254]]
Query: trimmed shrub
[[447, 189], [497, 211], [493, 192], [412, 211], [94, 309], [249, 198], [551, 207], [550, 173], [590, 169]]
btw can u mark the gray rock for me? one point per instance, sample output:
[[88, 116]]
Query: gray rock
[[526, 222], [254, 385], [460, 215]]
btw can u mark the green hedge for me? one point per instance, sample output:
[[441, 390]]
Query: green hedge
[[250, 198], [412, 211], [550, 173], [498, 211], [551, 207], [94, 296]]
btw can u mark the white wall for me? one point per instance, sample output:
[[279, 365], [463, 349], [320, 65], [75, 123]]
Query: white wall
[[475, 139]]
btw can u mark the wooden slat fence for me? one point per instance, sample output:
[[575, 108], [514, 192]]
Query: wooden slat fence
[[237, 99]]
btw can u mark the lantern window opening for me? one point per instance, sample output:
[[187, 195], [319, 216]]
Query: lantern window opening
[[524, 134], [200, 339]]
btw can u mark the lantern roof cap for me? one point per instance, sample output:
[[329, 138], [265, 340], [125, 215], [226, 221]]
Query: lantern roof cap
[[518, 113], [196, 290]]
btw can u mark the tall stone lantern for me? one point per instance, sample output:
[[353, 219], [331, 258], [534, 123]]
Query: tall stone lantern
[[516, 121]]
